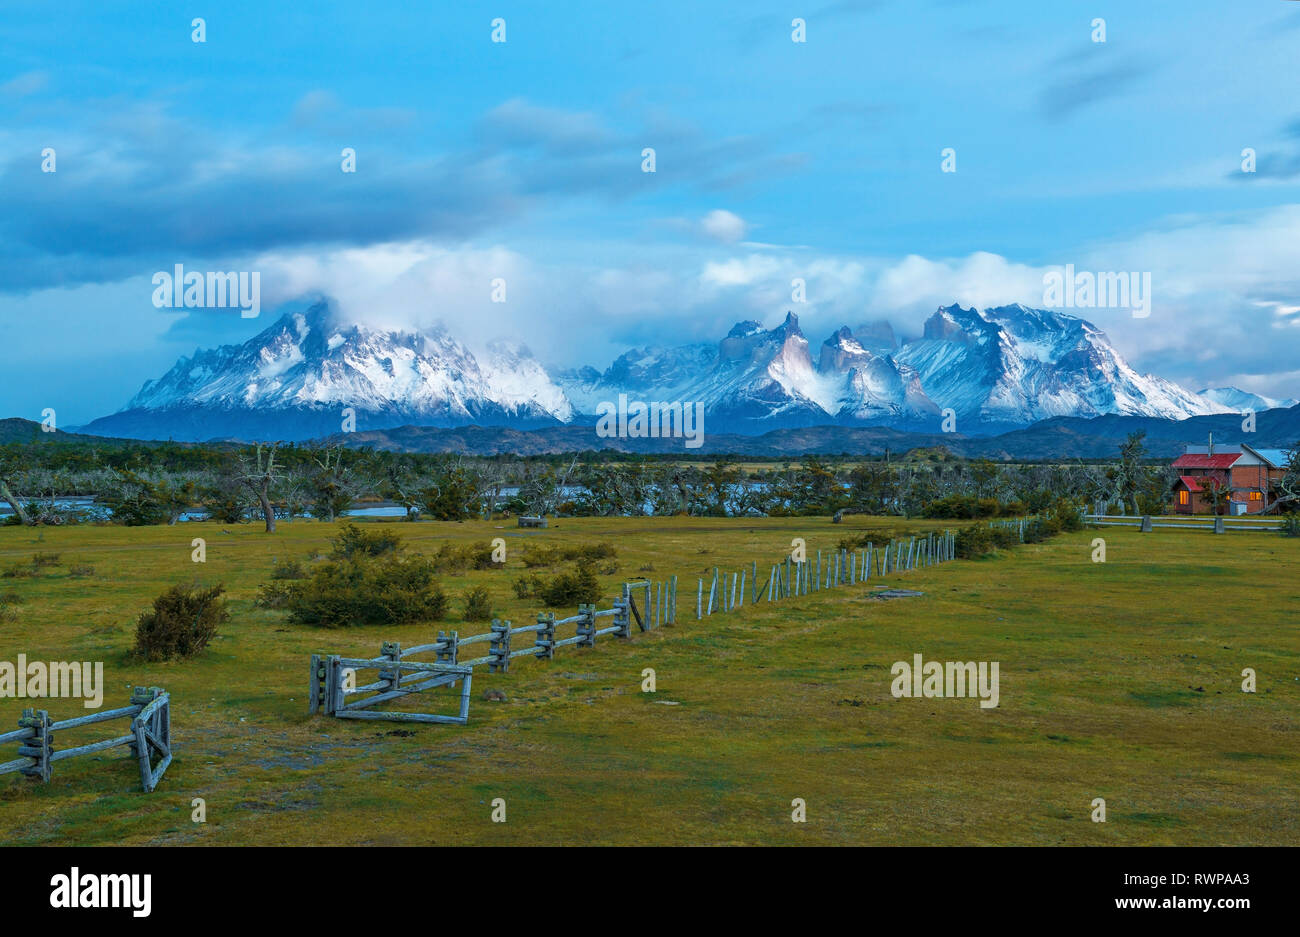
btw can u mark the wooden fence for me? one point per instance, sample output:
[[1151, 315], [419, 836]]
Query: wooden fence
[[333, 678], [151, 732], [802, 577], [335, 691], [1214, 524]]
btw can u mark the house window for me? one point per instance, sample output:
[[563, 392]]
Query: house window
[[1256, 496], [1182, 497]]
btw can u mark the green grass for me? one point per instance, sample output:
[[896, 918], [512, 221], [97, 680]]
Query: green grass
[[1119, 680]]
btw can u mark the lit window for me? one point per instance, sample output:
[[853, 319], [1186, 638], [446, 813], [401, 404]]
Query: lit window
[[1182, 497], [1256, 496]]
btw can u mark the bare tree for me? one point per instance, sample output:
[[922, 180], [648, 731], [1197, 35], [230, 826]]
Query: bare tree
[[259, 474], [1286, 490], [9, 470]]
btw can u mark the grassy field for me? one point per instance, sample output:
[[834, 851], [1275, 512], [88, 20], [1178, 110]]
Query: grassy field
[[1119, 680]]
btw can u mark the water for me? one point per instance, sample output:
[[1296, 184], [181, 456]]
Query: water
[[88, 508]]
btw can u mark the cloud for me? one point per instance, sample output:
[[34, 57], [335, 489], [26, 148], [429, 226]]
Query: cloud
[[912, 288], [724, 226], [1085, 77], [141, 189]]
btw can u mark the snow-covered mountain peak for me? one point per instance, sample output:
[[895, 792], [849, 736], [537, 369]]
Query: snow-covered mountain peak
[[1004, 366]]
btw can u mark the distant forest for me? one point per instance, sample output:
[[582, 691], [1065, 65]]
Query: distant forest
[[160, 483]]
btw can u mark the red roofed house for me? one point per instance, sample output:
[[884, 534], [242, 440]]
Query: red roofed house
[[1246, 470]]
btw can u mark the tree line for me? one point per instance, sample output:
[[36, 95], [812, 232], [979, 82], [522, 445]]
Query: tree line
[[159, 483]]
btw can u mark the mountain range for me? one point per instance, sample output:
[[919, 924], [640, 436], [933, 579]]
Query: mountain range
[[988, 371]]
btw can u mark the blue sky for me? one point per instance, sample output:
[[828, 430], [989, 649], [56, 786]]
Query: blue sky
[[522, 160]]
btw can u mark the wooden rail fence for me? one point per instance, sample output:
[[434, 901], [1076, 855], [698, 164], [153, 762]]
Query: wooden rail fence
[[333, 678], [151, 733], [334, 690], [1215, 524], [802, 577]]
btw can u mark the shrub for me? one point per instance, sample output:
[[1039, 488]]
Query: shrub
[[80, 571], [9, 602], [575, 587], [478, 607], [527, 587], [876, 536], [290, 570], [453, 558], [1004, 537], [181, 623], [273, 595], [1291, 525], [542, 556], [974, 542], [961, 506], [367, 590], [352, 542], [1068, 513]]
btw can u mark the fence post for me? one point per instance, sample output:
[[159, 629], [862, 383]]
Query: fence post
[[587, 626], [40, 746], [393, 651], [333, 686], [742, 585], [449, 653], [545, 640], [623, 613], [672, 602], [499, 647], [314, 685], [699, 602]]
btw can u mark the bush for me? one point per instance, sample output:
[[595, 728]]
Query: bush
[[353, 542], [877, 536], [290, 570], [541, 556], [454, 558], [368, 590], [81, 571], [962, 506], [576, 587], [1291, 525], [478, 607], [182, 622], [526, 587], [977, 541], [9, 602], [1068, 513], [273, 595]]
